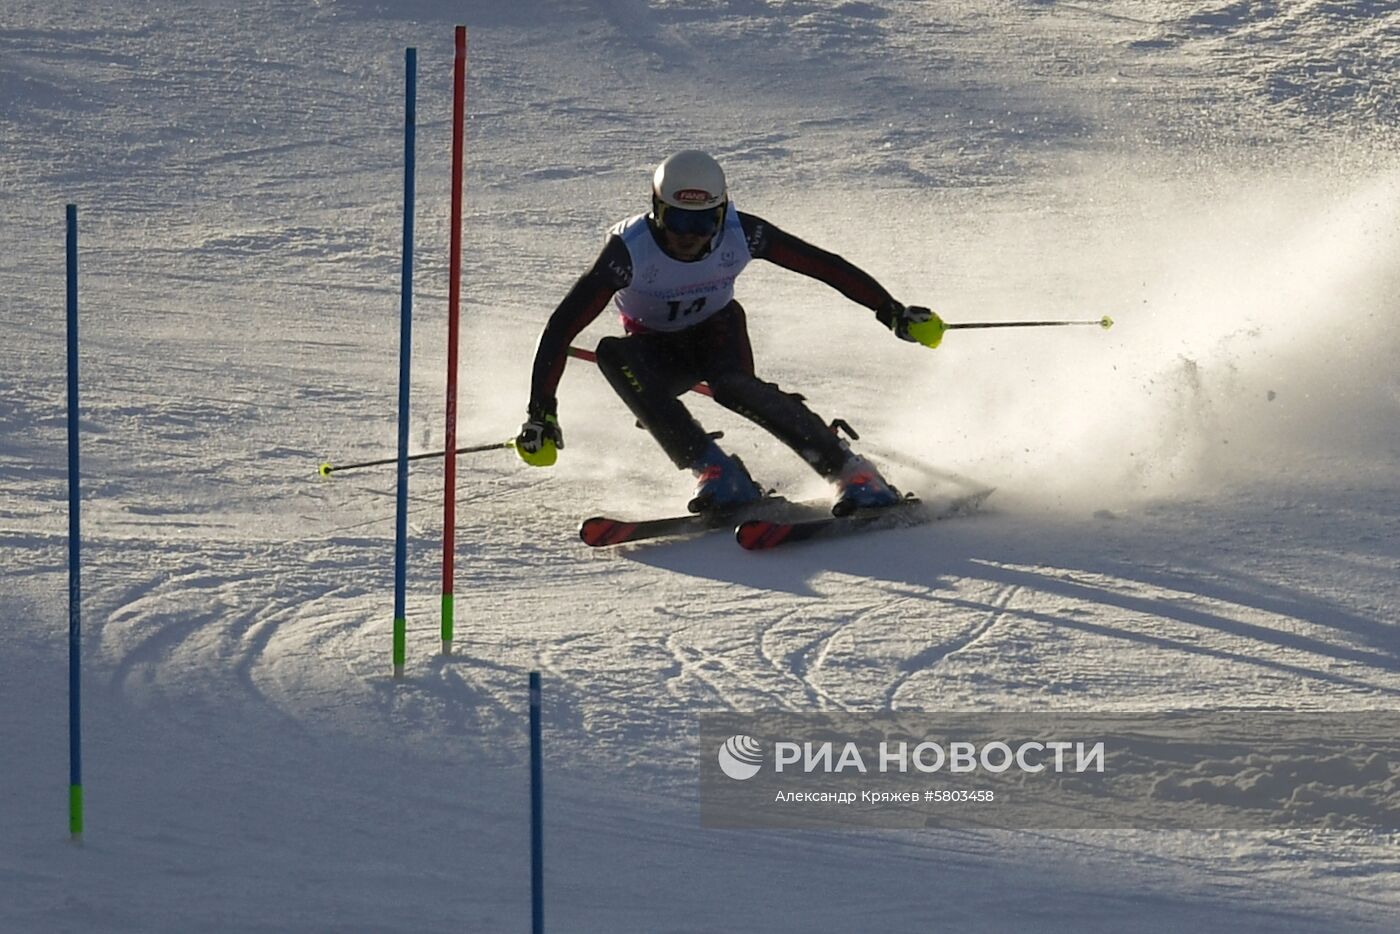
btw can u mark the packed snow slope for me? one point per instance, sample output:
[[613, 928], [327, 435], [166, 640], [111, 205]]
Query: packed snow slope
[[1197, 509]]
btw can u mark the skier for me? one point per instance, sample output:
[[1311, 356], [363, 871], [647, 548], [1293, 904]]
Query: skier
[[672, 273]]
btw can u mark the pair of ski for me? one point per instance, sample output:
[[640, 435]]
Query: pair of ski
[[776, 521]]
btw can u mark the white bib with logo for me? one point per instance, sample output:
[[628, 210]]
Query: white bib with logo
[[669, 295]]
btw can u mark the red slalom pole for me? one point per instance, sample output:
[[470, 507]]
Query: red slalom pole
[[454, 297]]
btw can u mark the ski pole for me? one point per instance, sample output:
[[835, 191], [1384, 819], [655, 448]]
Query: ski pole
[[930, 332], [1105, 322], [592, 357], [327, 468]]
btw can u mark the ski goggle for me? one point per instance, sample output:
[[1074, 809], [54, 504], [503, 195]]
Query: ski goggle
[[680, 221]]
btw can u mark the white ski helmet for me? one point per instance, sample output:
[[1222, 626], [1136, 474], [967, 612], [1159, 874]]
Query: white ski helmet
[[690, 180], [688, 193]]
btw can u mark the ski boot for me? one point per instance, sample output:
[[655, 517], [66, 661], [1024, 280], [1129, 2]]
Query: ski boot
[[723, 484], [860, 486]]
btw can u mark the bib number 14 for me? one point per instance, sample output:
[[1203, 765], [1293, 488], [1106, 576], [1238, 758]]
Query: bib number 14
[[677, 310]]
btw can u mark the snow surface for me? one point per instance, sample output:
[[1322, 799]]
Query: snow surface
[[1198, 509]]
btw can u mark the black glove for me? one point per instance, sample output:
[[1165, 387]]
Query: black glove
[[899, 318], [540, 438]]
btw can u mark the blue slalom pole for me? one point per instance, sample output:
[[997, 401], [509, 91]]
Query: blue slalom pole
[[536, 812], [405, 362], [75, 630]]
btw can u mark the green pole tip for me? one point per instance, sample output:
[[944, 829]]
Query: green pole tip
[[326, 469], [1105, 322], [400, 647], [448, 618], [75, 811]]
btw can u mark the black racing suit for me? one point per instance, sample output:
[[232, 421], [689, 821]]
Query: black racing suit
[[651, 369]]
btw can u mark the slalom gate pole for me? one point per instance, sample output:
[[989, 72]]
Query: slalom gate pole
[[536, 812], [454, 297], [581, 354], [405, 363], [327, 469], [75, 655]]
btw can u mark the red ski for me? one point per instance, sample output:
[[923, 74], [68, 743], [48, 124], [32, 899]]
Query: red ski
[[602, 531], [763, 534]]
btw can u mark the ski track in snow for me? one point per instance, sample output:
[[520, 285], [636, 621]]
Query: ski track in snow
[[1196, 509]]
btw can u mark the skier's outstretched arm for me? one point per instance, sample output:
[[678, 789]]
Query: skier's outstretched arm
[[611, 271], [783, 249]]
